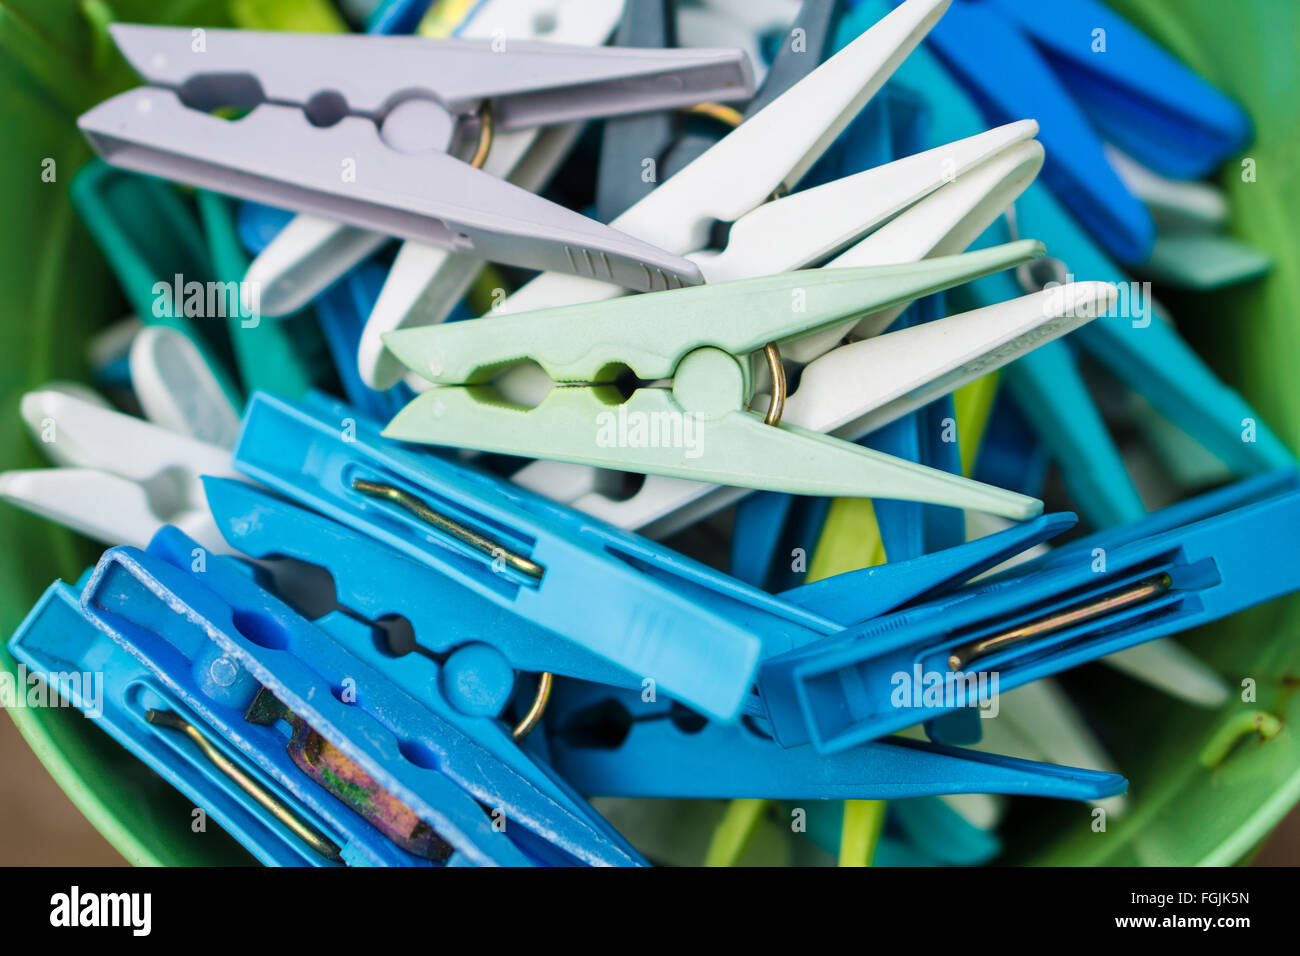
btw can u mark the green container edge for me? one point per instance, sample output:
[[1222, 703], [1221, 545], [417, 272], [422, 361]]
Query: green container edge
[[1183, 812]]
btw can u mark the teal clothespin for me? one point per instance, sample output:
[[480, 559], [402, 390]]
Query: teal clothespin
[[283, 356], [702, 338], [150, 239]]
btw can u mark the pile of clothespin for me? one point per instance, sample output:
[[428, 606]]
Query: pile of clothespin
[[692, 444]]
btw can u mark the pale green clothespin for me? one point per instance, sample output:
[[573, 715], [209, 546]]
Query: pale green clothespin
[[705, 339]]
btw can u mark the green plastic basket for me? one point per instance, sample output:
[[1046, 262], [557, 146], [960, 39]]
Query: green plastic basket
[[1206, 786]]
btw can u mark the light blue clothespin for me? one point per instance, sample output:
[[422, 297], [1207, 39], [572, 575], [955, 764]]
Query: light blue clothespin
[[608, 742], [1187, 565], [383, 776]]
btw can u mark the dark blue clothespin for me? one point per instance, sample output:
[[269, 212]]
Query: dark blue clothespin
[[1086, 74]]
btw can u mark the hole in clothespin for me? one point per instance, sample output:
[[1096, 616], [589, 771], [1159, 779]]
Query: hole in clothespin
[[685, 719], [418, 753], [262, 630], [326, 108], [227, 94], [394, 636], [601, 726]]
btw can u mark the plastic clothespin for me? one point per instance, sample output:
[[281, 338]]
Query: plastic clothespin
[[282, 357], [774, 150], [60, 643], [383, 778], [1083, 66], [994, 167], [858, 388], [655, 613], [1191, 564], [608, 742], [121, 478], [655, 337], [176, 388], [627, 143], [151, 240], [480, 643], [405, 182]]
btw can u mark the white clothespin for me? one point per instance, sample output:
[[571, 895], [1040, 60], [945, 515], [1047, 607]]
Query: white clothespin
[[124, 477], [177, 390], [763, 156]]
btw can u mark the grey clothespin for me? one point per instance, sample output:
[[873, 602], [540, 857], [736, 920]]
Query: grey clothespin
[[369, 129]]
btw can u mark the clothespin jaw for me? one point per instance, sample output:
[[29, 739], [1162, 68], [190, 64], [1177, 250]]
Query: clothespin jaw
[[277, 154], [1047, 615], [243, 660], [698, 337], [613, 743]]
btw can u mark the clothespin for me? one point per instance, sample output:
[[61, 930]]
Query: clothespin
[[608, 742], [282, 357], [657, 337], [519, 551], [177, 389], [60, 643], [382, 778], [1190, 564], [775, 149], [121, 478], [1092, 76], [664, 138], [907, 369], [475, 639], [153, 244], [386, 185]]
